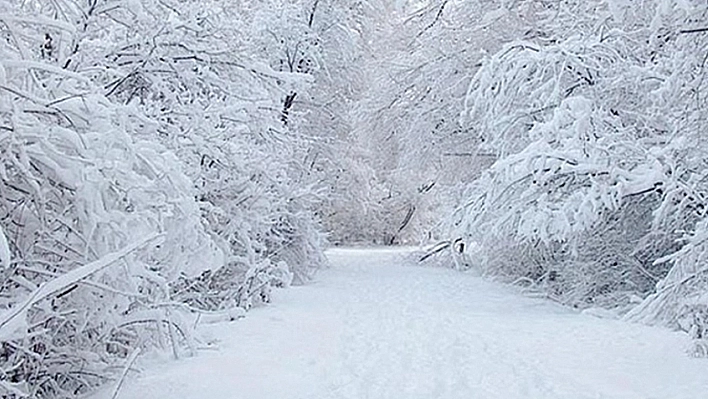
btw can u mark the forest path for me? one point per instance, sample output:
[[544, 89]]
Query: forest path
[[376, 325]]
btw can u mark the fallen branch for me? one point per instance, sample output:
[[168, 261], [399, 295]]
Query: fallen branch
[[436, 249], [696, 30]]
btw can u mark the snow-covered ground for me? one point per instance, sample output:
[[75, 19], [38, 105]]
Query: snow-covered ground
[[378, 326]]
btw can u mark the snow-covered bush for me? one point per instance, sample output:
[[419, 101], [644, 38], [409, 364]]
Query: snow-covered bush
[[221, 102], [77, 189], [146, 173], [596, 124], [681, 298]]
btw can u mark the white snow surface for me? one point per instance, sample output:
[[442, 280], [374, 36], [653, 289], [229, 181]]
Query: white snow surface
[[377, 325]]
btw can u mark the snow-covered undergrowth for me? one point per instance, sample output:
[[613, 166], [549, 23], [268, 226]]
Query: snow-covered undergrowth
[[148, 173], [598, 194]]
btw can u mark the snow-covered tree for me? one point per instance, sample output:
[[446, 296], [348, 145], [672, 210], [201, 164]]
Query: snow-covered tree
[[406, 124], [147, 173], [597, 125], [97, 222]]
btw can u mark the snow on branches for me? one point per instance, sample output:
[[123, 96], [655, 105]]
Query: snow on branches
[[596, 126], [120, 122]]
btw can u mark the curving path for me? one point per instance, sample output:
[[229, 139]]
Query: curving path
[[375, 325]]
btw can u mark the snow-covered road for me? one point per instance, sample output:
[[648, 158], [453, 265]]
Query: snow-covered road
[[378, 326]]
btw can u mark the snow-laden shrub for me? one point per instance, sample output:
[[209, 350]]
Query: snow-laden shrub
[[597, 128], [77, 189], [146, 174], [681, 298], [219, 101]]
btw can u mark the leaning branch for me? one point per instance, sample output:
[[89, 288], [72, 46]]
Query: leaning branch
[[10, 318]]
